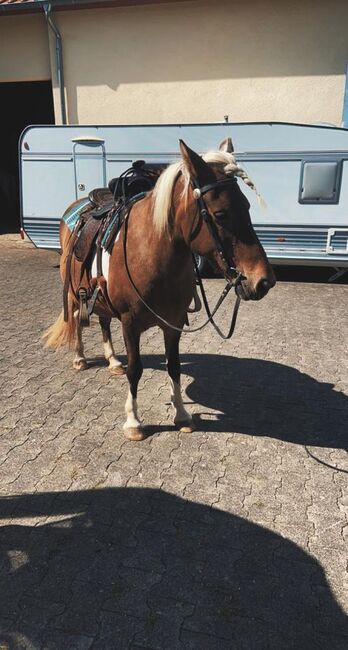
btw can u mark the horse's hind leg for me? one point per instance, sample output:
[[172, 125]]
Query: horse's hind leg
[[132, 427], [182, 419], [79, 362], [115, 365]]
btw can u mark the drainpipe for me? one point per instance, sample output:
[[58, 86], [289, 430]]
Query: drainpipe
[[345, 104], [59, 60]]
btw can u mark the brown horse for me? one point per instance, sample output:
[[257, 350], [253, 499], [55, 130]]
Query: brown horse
[[163, 229]]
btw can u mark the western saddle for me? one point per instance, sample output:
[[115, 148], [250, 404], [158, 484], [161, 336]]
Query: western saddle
[[96, 229]]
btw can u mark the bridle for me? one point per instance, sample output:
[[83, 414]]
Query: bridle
[[230, 272], [232, 275]]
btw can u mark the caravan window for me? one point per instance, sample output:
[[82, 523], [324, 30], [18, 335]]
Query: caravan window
[[320, 181]]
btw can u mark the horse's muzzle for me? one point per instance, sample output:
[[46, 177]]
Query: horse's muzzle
[[246, 292]]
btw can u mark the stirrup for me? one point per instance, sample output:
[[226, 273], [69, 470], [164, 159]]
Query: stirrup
[[83, 308]]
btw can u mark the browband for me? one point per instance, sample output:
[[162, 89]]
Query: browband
[[199, 191]]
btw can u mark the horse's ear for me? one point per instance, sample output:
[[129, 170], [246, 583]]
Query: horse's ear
[[227, 145], [195, 165]]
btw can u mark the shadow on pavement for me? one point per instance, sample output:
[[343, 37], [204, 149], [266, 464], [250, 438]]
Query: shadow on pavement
[[141, 568], [263, 398]]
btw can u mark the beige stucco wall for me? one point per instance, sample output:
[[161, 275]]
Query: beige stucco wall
[[197, 61], [24, 48], [191, 61]]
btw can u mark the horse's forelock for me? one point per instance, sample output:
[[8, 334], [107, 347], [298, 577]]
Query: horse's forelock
[[219, 158], [232, 168]]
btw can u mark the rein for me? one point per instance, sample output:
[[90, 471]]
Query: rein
[[198, 193]]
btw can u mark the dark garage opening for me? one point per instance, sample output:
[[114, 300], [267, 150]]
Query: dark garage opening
[[23, 103]]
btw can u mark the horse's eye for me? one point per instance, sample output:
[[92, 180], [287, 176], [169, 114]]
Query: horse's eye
[[221, 215]]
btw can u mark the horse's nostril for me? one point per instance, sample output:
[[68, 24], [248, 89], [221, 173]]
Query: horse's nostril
[[262, 288], [266, 284]]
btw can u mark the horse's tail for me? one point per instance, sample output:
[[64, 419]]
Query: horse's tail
[[62, 332]]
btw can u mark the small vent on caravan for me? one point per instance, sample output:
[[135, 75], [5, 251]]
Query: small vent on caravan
[[320, 181]]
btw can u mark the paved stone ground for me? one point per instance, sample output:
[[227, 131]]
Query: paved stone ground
[[231, 537]]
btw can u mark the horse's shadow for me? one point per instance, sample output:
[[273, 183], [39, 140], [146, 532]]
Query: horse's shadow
[[140, 568], [262, 398]]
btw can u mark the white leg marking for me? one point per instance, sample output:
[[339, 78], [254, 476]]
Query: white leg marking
[[110, 356], [79, 358], [180, 413], [131, 413]]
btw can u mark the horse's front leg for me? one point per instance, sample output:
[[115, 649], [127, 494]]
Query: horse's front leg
[[115, 365], [182, 419], [132, 427], [79, 362]]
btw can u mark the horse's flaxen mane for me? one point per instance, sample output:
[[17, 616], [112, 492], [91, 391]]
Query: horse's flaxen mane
[[164, 187]]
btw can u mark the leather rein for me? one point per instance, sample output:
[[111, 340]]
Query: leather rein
[[231, 274]]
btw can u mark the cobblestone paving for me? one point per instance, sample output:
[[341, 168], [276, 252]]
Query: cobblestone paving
[[231, 537]]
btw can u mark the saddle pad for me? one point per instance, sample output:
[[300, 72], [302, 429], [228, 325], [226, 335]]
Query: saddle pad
[[72, 215]]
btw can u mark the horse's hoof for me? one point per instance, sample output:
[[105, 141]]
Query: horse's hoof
[[117, 370], [185, 427], [136, 434], [80, 364]]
